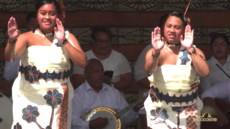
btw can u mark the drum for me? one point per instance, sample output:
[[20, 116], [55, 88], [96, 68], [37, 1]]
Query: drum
[[105, 112]]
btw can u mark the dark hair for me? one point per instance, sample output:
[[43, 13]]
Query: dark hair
[[30, 15], [90, 61], [97, 29], [226, 39], [164, 18], [58, 5], [40, 3]]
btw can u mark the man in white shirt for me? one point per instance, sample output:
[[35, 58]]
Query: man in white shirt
[[220, 47], [94, 93], [219, 91], [111, 60], [11, 68]]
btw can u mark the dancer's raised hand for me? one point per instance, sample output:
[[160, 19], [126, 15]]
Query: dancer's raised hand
[[59, 30], [13, 31], [187, 41], [158, 42]]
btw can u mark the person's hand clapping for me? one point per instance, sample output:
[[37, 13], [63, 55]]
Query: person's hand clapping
[[59, 30]]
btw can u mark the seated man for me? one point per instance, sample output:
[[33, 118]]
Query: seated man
[[218, 91], [94, 93]]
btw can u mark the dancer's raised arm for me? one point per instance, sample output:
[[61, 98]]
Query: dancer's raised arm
[[16, 43], [152, 56]]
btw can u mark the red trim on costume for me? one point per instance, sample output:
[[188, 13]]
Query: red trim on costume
[[195, 85], [62, 124], [191, 113]]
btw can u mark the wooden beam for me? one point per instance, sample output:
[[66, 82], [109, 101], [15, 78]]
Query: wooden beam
[[121, 19]]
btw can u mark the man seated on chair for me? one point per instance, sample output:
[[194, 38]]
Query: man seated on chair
[[218, 91], [93, 93]]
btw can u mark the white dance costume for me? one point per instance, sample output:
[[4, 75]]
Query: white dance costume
[[42, 92], [173, 101]]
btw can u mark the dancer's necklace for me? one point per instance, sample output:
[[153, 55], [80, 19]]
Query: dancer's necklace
[[46, 34], [173, 45]]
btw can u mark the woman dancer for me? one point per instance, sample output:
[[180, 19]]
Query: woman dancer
[[173, 62], [42, 92]]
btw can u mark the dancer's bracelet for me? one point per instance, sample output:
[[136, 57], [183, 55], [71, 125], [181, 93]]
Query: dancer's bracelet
[[12, 41], [190, 52], [63, 42], [156, 55]]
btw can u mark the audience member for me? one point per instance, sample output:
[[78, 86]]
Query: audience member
[[218, 62], [94, 93], [111, 60]]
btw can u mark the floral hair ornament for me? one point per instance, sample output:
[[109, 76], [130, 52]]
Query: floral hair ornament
[[62, 9]]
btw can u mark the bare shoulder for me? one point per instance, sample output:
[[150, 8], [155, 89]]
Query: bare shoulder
[[26, 35], [72, 39], [71, 36], [165, 49]]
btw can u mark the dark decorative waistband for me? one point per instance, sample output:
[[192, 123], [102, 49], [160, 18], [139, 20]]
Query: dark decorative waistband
[[33, 75], [157, 96]]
